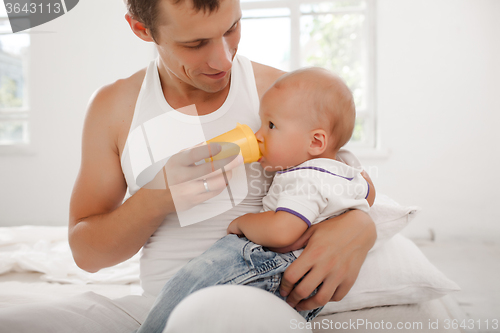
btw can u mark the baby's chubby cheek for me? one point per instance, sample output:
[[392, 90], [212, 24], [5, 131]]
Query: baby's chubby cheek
[[277, 160]]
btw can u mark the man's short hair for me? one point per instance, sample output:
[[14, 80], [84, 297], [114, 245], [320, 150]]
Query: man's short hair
[[146, 11]]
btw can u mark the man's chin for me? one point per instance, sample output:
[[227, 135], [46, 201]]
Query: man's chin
[[211, 89], [216, 85]]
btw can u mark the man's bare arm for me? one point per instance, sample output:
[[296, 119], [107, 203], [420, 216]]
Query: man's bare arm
[[372, 192], [265, 76], [102, 231]]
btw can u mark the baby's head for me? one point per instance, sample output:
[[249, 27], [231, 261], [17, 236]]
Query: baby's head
[[308, 113]]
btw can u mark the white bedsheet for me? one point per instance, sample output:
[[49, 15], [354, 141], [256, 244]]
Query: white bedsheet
[[46, 250], [432, 316], [23, 288], [36, 266]]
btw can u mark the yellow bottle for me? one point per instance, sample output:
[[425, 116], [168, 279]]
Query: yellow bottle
[[238, 139]]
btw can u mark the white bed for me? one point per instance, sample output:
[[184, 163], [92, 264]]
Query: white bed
[[28, 287], [398, 289]]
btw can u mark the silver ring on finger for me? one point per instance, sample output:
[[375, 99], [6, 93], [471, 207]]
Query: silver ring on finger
[[205, 184]]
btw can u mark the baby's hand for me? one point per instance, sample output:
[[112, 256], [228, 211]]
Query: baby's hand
[[234, 229]]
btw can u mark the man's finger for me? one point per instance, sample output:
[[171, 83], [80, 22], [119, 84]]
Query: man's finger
[[206, 170], [292, 275], [304, 288], [204, 196], [228, 163], [198, 153], [215, 184], [342, 290], [202, 171], [189, 194], [323, 295]]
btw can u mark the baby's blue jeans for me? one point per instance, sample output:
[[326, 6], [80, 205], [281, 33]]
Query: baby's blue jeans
[[231, 260]]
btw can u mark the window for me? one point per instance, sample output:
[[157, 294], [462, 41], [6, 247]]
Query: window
[[13, 84], [337, 35]]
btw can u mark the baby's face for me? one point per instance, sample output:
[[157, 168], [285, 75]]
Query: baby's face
[[284, 134]]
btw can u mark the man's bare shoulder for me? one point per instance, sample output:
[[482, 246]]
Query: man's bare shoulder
[[265, 76], [120, 93], [112, 106]]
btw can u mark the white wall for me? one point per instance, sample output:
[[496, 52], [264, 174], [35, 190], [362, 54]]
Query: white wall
[[438, 84], [88, 47], [437, 74]]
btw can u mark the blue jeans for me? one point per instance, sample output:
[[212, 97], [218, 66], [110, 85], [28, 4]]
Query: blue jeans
[[231, 260]]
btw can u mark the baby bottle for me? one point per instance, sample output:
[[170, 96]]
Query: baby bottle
[[238, 139]]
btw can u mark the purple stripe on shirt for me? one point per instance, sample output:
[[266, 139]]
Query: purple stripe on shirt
[[317, 169], [283, 209], [367, 194]]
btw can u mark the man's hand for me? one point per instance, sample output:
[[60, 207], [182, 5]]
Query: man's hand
[[191, 184], [334, 252]]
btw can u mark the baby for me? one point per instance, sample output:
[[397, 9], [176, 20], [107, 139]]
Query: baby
[[307, 116]]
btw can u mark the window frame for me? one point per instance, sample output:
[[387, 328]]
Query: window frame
[[19, 114], [372, 148]]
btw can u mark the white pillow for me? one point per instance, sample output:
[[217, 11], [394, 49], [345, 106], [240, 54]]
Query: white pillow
[[397, 273], [389, 217]]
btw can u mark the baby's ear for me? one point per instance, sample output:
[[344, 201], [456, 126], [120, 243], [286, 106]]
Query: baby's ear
[[319, 141]]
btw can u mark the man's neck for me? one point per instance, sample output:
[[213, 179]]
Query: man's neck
[[179, 94]]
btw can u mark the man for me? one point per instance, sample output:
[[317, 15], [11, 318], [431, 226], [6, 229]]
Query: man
[[197, 42]]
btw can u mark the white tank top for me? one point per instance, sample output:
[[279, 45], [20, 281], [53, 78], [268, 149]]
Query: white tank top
[[172, 246]]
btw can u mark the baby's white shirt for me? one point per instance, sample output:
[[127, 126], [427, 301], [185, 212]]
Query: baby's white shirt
[[317, 189]]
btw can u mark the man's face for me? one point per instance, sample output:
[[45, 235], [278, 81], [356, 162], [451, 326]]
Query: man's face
[[198, 48]]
